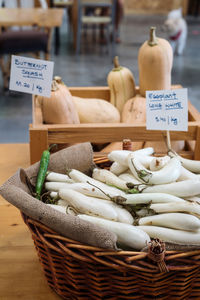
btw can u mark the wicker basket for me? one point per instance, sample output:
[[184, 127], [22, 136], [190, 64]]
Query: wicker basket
[[77, 271]]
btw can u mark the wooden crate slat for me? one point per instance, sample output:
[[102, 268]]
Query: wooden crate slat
[[103, 133], [41, 135], [194, 114], [38, 141], [91, 92]]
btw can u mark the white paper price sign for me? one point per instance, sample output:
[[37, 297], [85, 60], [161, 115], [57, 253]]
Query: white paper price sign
[[167, 110], [29, 75]]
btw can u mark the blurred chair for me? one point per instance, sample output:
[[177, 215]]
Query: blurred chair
[[66, 4], [32, 40], [107, 21]]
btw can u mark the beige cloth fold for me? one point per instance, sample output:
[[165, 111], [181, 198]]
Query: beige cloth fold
[[16, 191]]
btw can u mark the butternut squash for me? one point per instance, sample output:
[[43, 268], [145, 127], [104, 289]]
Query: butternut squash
[[134, 110], [59, 108], [122, 85], [91, 110], [155, 60]]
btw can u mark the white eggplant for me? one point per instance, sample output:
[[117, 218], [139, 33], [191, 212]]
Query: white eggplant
[[55, 185], [88, 205], [186, 174], [189, 164], [53, 195], [81, 187], [117, 168], [78, 176], [123, 215], [187, 207], [108, 177], [121, 155], [181, 189], [158, 163], [58, 207], [53, 176], [169, 173], [172, 235], [128, 177], [172, 220], [127, 235], [193, 199], [135, 199]]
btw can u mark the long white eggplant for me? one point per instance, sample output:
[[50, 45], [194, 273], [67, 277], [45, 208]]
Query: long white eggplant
[[58, 207], [129, 178], [81, 187], [78, 176], [127, 235], [193, 199], [172, 220], [108, 177], [88, 205], [158, 163], [123, 215], [117, 168], [181, 189], [53, 195], [169, 173], [53, 176], [135, 199], [186, 174], [187, 207], [121, 155], [172, 235], [191, 165], [55, 185]]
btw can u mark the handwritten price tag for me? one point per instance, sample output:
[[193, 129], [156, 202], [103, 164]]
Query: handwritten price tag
[[167, 110], [29, 75]]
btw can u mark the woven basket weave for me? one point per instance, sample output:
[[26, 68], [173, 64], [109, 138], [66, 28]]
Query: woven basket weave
[[77, 271]]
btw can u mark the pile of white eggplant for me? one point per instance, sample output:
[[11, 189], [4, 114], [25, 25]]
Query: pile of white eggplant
[[141, 197]]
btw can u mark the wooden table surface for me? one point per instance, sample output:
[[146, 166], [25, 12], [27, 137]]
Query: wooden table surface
[[21, 275], [51, 17]]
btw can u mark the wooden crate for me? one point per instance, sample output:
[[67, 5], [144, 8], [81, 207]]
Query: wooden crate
[[42, 135]]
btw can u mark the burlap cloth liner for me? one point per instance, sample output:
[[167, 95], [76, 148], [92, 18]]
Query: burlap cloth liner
[[16, 191]]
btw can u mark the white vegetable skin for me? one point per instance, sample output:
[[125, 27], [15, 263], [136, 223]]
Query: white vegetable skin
[[81, 187], [52, 176], [121, 155], [172, 220], [181, 189], [53, 194], [123, 215], [63, 203], [58, 207], [108, 178], [151, 198], [55, 186], [127, 235], [188, 207], [129, 178], [186, 174], [169, 173], [158, 163], [172, 235], [117, 168], [78, 176], [193, 199], [88, 205], [189, 164]]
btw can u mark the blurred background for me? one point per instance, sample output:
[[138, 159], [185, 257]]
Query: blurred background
[[90, 65]]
